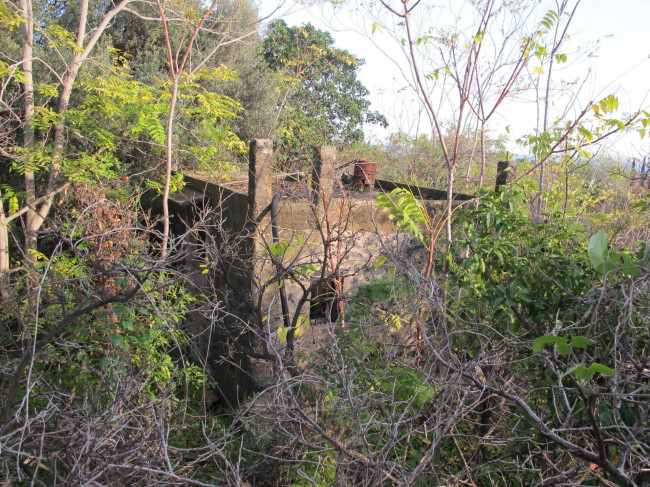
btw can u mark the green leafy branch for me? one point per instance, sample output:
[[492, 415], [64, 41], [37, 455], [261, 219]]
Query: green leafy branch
[[408, 212], [564, 346], [605, 262]]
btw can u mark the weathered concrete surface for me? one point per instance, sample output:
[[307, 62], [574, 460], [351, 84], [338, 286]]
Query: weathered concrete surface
[[252, 268], [260, 171], [324, 175], [420, 191]]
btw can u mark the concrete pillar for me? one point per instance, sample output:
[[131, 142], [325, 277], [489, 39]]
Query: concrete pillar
[[324, 174], [260, 195], [260, 170], [505, 174]]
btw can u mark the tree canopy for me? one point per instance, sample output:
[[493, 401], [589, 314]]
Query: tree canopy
[[322, 99]]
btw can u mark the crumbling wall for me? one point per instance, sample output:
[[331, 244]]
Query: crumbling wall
[[324, 231]]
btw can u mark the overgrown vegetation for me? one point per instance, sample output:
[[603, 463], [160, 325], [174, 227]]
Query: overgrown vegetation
[[506, 344]]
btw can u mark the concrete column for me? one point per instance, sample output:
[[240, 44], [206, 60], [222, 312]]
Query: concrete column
[[324, 174], [260, 170], [260, 195], [505, 174]]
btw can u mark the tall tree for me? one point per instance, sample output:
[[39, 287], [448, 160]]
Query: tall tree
[[322, 102], [253, 84], [205, 33], [40, 156], [48, 138], [466, 71]]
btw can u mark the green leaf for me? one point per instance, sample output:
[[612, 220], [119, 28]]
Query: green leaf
[[392, 320], [8, 18], [120, 310], [13, 205], [600, 368], [580, 371], [598, 250], [303, 320], [379, 262], [127, 324], [282, 333], [586, 373], [541, 342], [585, 133], [116, 339], [626, 263], [578, 341], [60, 38], [407, 211], [433, 75], [549, 19], [562, 348]]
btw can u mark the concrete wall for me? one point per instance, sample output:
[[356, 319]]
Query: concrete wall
[[247, 278]]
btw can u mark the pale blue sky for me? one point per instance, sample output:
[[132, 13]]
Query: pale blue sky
[[619, 31]]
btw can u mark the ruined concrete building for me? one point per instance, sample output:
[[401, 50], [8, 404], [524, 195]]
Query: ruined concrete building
[[280, 251]]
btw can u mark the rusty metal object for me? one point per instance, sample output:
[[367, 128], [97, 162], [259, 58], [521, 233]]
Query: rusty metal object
[[364, 174]]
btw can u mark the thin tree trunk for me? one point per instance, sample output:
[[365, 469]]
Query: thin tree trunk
[[544, 128], [5, 288], [481, 180], [168, 168], [36, 214], [432, 114], [557, 42], [451, 176], [27, 31], [471, 156]]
